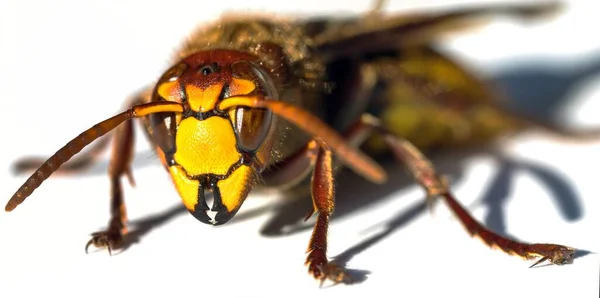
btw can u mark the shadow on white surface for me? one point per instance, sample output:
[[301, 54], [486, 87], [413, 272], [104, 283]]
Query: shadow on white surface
[[246, 258]]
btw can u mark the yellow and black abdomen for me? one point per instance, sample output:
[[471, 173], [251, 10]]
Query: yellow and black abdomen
[[420, 95]]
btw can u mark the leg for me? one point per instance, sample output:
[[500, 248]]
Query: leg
[[323, 204], [423, 171], [323, 195], [318, 155], [345, 149], [120, 164]]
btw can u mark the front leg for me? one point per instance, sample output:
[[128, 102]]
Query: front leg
[[120, 165], [323, 203]]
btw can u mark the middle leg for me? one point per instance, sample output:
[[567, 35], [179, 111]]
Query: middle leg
[[323, 203]]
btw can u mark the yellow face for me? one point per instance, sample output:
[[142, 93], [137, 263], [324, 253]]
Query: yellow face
[[206, 149]]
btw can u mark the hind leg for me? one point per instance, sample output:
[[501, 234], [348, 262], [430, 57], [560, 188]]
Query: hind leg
[[435, 187]]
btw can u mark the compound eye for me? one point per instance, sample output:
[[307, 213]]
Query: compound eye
[[251, 126], [163, 131], [163, 125]]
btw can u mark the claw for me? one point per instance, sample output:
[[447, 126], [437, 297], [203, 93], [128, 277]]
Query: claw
[[557, 254], [88, 245], [312, 211], [323, 270], [539, 262], [335, 273], [104, 239]]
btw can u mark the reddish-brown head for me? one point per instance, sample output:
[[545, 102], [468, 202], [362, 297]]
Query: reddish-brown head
[[206, 148]]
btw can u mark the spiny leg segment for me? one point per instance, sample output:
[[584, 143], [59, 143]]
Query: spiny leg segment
[[435, 186], [323, 196]]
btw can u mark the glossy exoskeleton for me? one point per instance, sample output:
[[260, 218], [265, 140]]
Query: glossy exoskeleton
[[256, 102]]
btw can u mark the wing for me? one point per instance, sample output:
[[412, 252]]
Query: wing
[[375, 32]]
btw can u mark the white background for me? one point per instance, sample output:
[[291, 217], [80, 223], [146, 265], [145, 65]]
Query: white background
[[65, 65]]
